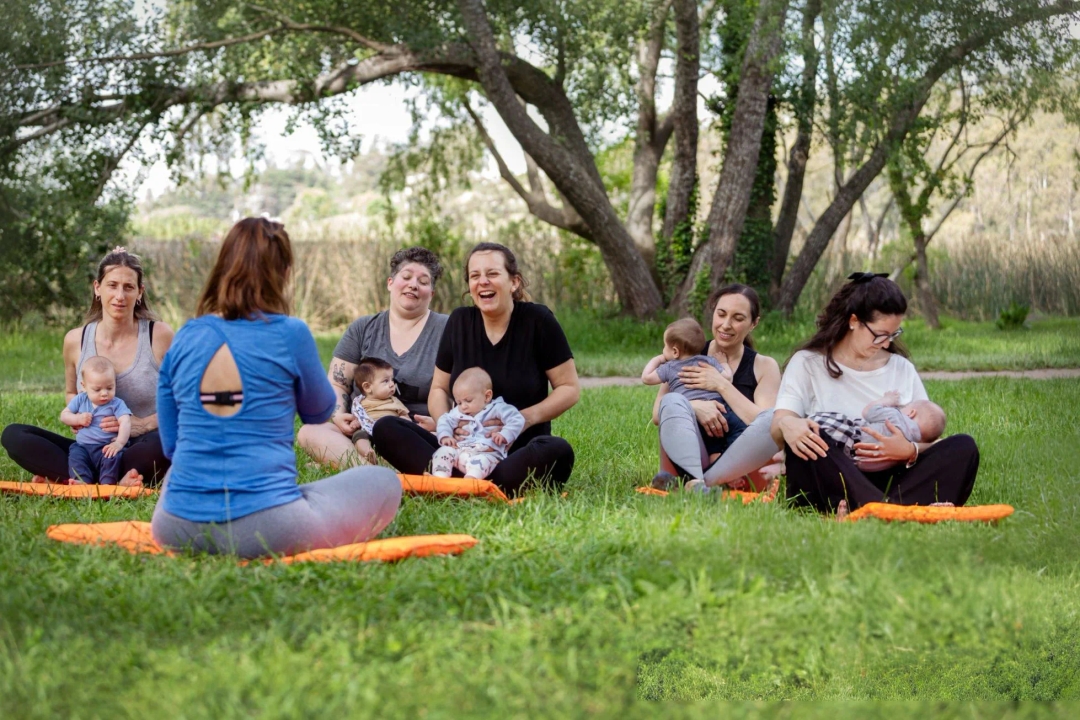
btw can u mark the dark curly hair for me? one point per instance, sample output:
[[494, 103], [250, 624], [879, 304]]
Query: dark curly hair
[[420, 256], [864, 299]]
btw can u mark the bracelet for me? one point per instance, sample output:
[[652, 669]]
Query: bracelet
[[913, 460]]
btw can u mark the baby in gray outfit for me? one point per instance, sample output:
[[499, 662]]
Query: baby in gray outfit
[[918, 421]]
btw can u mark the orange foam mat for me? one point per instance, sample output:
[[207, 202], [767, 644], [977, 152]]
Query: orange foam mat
[[927, 514], [746, 497], [93, 492], [457, 487], [135, 537]]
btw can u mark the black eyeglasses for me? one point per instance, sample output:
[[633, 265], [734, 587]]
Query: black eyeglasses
[[882, 338]]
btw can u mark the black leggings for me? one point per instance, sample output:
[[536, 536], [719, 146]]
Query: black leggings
[[409, 447], [45, 453], [945, 472]]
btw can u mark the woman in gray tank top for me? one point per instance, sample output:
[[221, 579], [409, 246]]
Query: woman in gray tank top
[[120, 327], [406, 335]]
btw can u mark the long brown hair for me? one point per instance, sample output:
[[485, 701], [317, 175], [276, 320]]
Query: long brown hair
[[251, 272], [747, 292], [120, 257], [509, 261], [865, 296]]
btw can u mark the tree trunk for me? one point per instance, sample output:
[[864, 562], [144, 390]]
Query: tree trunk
[[684, 116], [576, 177], [649, 143], [927, 304], [800, 151], [732, 198]]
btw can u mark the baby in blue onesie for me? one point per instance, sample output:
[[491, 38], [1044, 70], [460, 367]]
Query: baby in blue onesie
[[476, 454], [95, 455], [683, 340]]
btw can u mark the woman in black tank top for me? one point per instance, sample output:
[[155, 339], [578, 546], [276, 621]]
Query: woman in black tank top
[[752, 389]]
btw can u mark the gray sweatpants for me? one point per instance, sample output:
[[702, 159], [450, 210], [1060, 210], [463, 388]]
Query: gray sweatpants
[[352, 506], [681, 439]]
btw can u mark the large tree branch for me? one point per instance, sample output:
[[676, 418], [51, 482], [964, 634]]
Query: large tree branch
[[683, 116], [576, 178], [806, 102], [536, 201], [731, 201], [641, 205]]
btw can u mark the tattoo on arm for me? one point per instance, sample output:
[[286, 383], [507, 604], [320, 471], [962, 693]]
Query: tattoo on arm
[[339, 375]]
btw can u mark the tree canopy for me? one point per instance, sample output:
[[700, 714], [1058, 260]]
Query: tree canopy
[[83, 81]]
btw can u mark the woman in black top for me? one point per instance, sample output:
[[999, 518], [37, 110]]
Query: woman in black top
[[521, 345]]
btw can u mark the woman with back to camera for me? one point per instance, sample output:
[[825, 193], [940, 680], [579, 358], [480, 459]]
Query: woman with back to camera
[[523, 348], [406, 335], [853, 360], [121, 328], [687, 427], [234, 379]]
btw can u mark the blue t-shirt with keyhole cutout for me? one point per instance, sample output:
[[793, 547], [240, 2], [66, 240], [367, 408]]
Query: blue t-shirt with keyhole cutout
[[224, 468]]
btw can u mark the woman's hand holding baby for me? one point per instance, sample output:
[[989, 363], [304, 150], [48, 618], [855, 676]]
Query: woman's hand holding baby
[[887, 447], [704, 376], [425, 421]]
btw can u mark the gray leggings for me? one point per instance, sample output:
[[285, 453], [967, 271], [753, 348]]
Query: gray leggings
[[352, 506], [681, 440]]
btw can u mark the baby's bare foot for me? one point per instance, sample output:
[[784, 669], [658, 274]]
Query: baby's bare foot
[[73, 481], [132, 479]]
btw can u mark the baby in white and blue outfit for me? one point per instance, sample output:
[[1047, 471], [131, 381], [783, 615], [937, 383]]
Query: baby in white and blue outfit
[[477, 453]]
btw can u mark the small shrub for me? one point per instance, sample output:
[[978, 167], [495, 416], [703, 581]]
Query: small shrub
[[1013, 317]]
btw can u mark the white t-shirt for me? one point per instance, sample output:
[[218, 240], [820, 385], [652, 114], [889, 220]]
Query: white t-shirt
[[806, 387]]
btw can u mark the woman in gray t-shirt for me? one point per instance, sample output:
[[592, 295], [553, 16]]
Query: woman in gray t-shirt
[[406, 336]]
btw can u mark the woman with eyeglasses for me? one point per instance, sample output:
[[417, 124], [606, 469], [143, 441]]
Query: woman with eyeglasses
[[853, 360]]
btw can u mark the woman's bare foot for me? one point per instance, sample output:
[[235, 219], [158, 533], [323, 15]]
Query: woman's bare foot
[[132, 479], [39, 479], [841, 511]]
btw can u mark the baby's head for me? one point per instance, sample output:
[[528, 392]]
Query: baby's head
[[375, 378], [683, 339], [99, 380], [472, 390], [928, 416]]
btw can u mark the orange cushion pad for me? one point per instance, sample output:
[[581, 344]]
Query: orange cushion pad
[[135, 537], [746, 497], [458, 487], [94, 492], [926, 514]]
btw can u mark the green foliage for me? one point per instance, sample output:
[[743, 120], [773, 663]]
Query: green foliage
[[673, 255], [1013, 317], [53, 229]]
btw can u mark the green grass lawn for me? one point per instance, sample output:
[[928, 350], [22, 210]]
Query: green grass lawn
[[604, 346], [604, 602]]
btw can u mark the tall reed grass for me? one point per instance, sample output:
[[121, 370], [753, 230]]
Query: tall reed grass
[[335, 281], [973, 278]]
